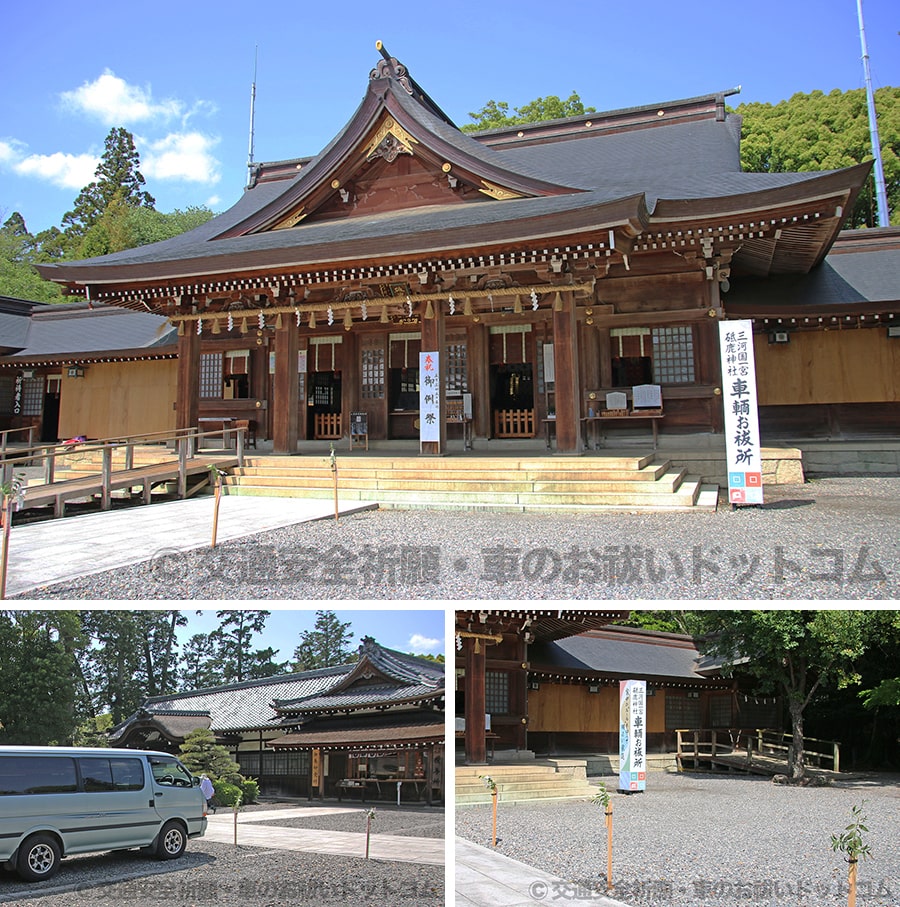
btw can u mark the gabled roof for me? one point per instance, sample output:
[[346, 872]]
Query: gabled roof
[[620, 653], [381, 678], [74, 329], [251, 705], [603, 178]]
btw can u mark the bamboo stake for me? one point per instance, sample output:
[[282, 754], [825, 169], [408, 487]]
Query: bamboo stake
[[335, 475], [218, 498], [851, 882], [609, 846], [4, 554], [494, 799]]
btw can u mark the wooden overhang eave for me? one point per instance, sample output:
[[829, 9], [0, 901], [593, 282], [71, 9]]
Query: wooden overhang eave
[[627, 214], [78, 358], [538, 672]]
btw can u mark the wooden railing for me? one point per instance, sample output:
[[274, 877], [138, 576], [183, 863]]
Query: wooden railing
[[6, 432], [747, 747], [179, 460], [514, 423], [327, 425]]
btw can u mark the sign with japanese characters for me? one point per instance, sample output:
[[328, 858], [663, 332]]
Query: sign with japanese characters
[[742, 443], [632, 735], [429, 397]]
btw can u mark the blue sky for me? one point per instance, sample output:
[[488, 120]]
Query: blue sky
[[178, 75], [418, 630]]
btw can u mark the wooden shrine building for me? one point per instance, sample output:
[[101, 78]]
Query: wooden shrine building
[[548, 264], [364, 727], [548, 681]]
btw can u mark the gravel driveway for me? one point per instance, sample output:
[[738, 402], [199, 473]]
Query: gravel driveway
[[827, 539], [219, 874], [706, 841]]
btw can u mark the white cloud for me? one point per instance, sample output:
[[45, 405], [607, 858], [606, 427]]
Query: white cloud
[[114, 102], [9, 152], [424, 644], [69, 171], [181, 156]]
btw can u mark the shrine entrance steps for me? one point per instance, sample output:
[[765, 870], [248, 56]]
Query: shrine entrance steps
[[514, 483], [543, 779]]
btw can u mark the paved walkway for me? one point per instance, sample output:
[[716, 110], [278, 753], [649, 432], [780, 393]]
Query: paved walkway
[[396, 848], [485, 878], [53, 551]]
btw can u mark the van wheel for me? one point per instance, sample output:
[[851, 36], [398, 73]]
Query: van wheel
[[171, 842], [38, 858]]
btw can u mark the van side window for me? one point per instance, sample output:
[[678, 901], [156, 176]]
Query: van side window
[[100, 774], [37, 775], [170, 771]]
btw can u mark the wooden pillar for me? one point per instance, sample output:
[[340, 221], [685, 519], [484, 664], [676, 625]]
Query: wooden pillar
[[187, 395], [476, 750], [433, 340], [604, 355], [284, 428], [478, 360], [565, 355]]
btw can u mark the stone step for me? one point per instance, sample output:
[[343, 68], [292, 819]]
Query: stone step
[[537, 463]]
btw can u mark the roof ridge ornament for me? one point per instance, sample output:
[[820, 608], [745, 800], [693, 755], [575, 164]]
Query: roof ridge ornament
[[390, 68]]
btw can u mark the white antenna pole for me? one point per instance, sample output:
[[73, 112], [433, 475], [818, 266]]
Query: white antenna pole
[[880, 193], [252, 106]]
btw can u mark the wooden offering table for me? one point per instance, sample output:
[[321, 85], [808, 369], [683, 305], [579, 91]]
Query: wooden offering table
[[595, 423]]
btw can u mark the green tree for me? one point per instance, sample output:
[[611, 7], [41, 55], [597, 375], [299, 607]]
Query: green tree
[[234, 638], [797, 653], [689, 623], [326, 645], [201, 753], [200, 666], [819, 131], [117, 174], [18, 252], [39, 692], [132, 656], [495, 114]]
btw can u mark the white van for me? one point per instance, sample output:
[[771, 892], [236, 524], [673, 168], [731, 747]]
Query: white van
[[57, 801]]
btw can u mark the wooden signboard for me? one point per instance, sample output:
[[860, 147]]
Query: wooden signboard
[[359, 428]]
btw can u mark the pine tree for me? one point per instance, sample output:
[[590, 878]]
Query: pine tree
[[117, 173], [325, 645]]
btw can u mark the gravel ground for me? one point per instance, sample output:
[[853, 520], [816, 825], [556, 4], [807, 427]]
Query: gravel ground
[[707, 841], [219, 874], [404, 822], [827, 539]]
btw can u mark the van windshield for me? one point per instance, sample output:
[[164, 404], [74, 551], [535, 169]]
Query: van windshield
[[170, 771]]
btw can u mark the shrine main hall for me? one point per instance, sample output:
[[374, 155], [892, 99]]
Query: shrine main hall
[[548, 264]]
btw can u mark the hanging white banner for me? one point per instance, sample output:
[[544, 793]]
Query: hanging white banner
[[429, 397], [632, 735], [742, 443]]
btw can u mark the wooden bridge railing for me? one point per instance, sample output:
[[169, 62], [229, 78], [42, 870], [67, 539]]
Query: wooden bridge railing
[[6, 432], [743, 746], [181, 445]]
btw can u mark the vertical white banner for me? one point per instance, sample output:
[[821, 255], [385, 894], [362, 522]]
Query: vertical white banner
[[429, 397], [742, 444], [632, 735]]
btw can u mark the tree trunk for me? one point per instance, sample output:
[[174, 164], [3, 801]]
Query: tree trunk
[[796, 764]]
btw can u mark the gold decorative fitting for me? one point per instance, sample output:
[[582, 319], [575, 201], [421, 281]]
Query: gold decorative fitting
[[335, 184], [445, 167], [498, 192], [712, 313], [589, 320]]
